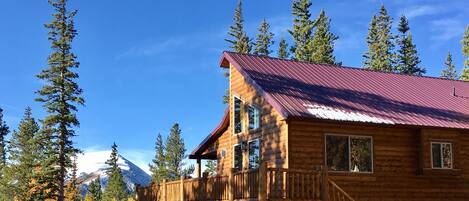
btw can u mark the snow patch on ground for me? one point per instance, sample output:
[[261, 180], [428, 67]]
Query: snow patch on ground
[[325, 112]]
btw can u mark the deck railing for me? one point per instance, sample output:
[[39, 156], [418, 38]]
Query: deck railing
[[259, 184]]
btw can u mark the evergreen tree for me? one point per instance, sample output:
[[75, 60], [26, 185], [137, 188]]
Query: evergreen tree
[[380, 43], [450, 70], [407, 57], [116, 189], [72, 191], [263, 40], [21, 156], [175, 153], [465, 74], [4, 130], [321, 45], [239, 41], [211, 167], [61, 94], [94, 190], [465, 51], [45, 174], [282, 49], [302, 29], [158, 166]]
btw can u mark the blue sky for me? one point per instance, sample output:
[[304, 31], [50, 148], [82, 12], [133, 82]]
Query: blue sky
[[147, 64]]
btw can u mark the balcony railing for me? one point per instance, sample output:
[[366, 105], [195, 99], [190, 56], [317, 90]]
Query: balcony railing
[[259, 184]]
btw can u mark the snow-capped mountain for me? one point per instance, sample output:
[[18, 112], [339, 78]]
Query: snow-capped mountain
[[92, 164]]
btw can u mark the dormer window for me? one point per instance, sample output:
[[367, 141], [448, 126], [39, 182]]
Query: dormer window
[[238, 120], [254, 117], [442, 155]]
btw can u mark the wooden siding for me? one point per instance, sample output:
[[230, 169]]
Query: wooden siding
[[272, 132], [401, 161]]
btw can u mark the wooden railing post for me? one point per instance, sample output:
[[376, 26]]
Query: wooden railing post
[[182, 188], [164, 190], [262, 175], [204, 191], [231, 185], [324, 184]]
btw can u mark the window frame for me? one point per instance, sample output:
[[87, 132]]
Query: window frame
[[259, 147], [240, 115], [441, 155], [258, 118], [234, 158], [349, 152]]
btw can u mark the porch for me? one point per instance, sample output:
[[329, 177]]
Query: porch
[[263, 183]]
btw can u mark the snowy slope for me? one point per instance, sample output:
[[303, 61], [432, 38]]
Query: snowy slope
[[92, 164]]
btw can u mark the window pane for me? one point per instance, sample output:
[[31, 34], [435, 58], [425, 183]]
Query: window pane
[[238, 123], [360, 154], [254, 116], [436, 155], [254, 154], [447, 160], [238, 158], [337, 153]]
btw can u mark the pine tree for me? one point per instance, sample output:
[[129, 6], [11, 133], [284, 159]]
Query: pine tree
[[282, 49], [380, 43], [116, 189], [158, 166], [175, 153], [407, 58], [239, 41], [72, 191], [94, 190], [321, 45], [45, 174], [61, 94], [263, 40], [211, 167], [4, 130], [21, 156], [302, 29], [465, 51], [450, 70], [4, 179]]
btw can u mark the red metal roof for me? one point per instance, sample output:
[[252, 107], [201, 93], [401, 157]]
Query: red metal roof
[[307, 90]]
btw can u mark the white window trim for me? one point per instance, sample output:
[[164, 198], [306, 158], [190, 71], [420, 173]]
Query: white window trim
[[441, 155], [349, 157], [259, 117], [242, 158], [241, 115], [259, 143]]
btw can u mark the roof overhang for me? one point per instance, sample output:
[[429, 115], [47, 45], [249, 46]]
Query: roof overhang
[[200, 151]]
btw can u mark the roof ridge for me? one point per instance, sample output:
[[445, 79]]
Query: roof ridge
[[348, 67]]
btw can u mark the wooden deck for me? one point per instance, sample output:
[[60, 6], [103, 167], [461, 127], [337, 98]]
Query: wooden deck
[[261, 184]]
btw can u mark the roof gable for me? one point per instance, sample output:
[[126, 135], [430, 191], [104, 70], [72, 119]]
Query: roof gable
[[307, 90]]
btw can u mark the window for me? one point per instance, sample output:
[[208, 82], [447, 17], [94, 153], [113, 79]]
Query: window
[[238, 121], [254, 154], [238, 157], [349, 153], [254, 118], [442, 155]]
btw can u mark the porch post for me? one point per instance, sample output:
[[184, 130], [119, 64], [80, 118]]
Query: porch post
[[198, 169]]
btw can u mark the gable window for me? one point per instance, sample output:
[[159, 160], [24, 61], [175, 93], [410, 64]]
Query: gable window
[[349, 153], [254, 154], [238, 121], [238, 157], [442, 155], [254, 117]]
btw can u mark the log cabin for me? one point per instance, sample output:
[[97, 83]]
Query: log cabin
[[381, 136]]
